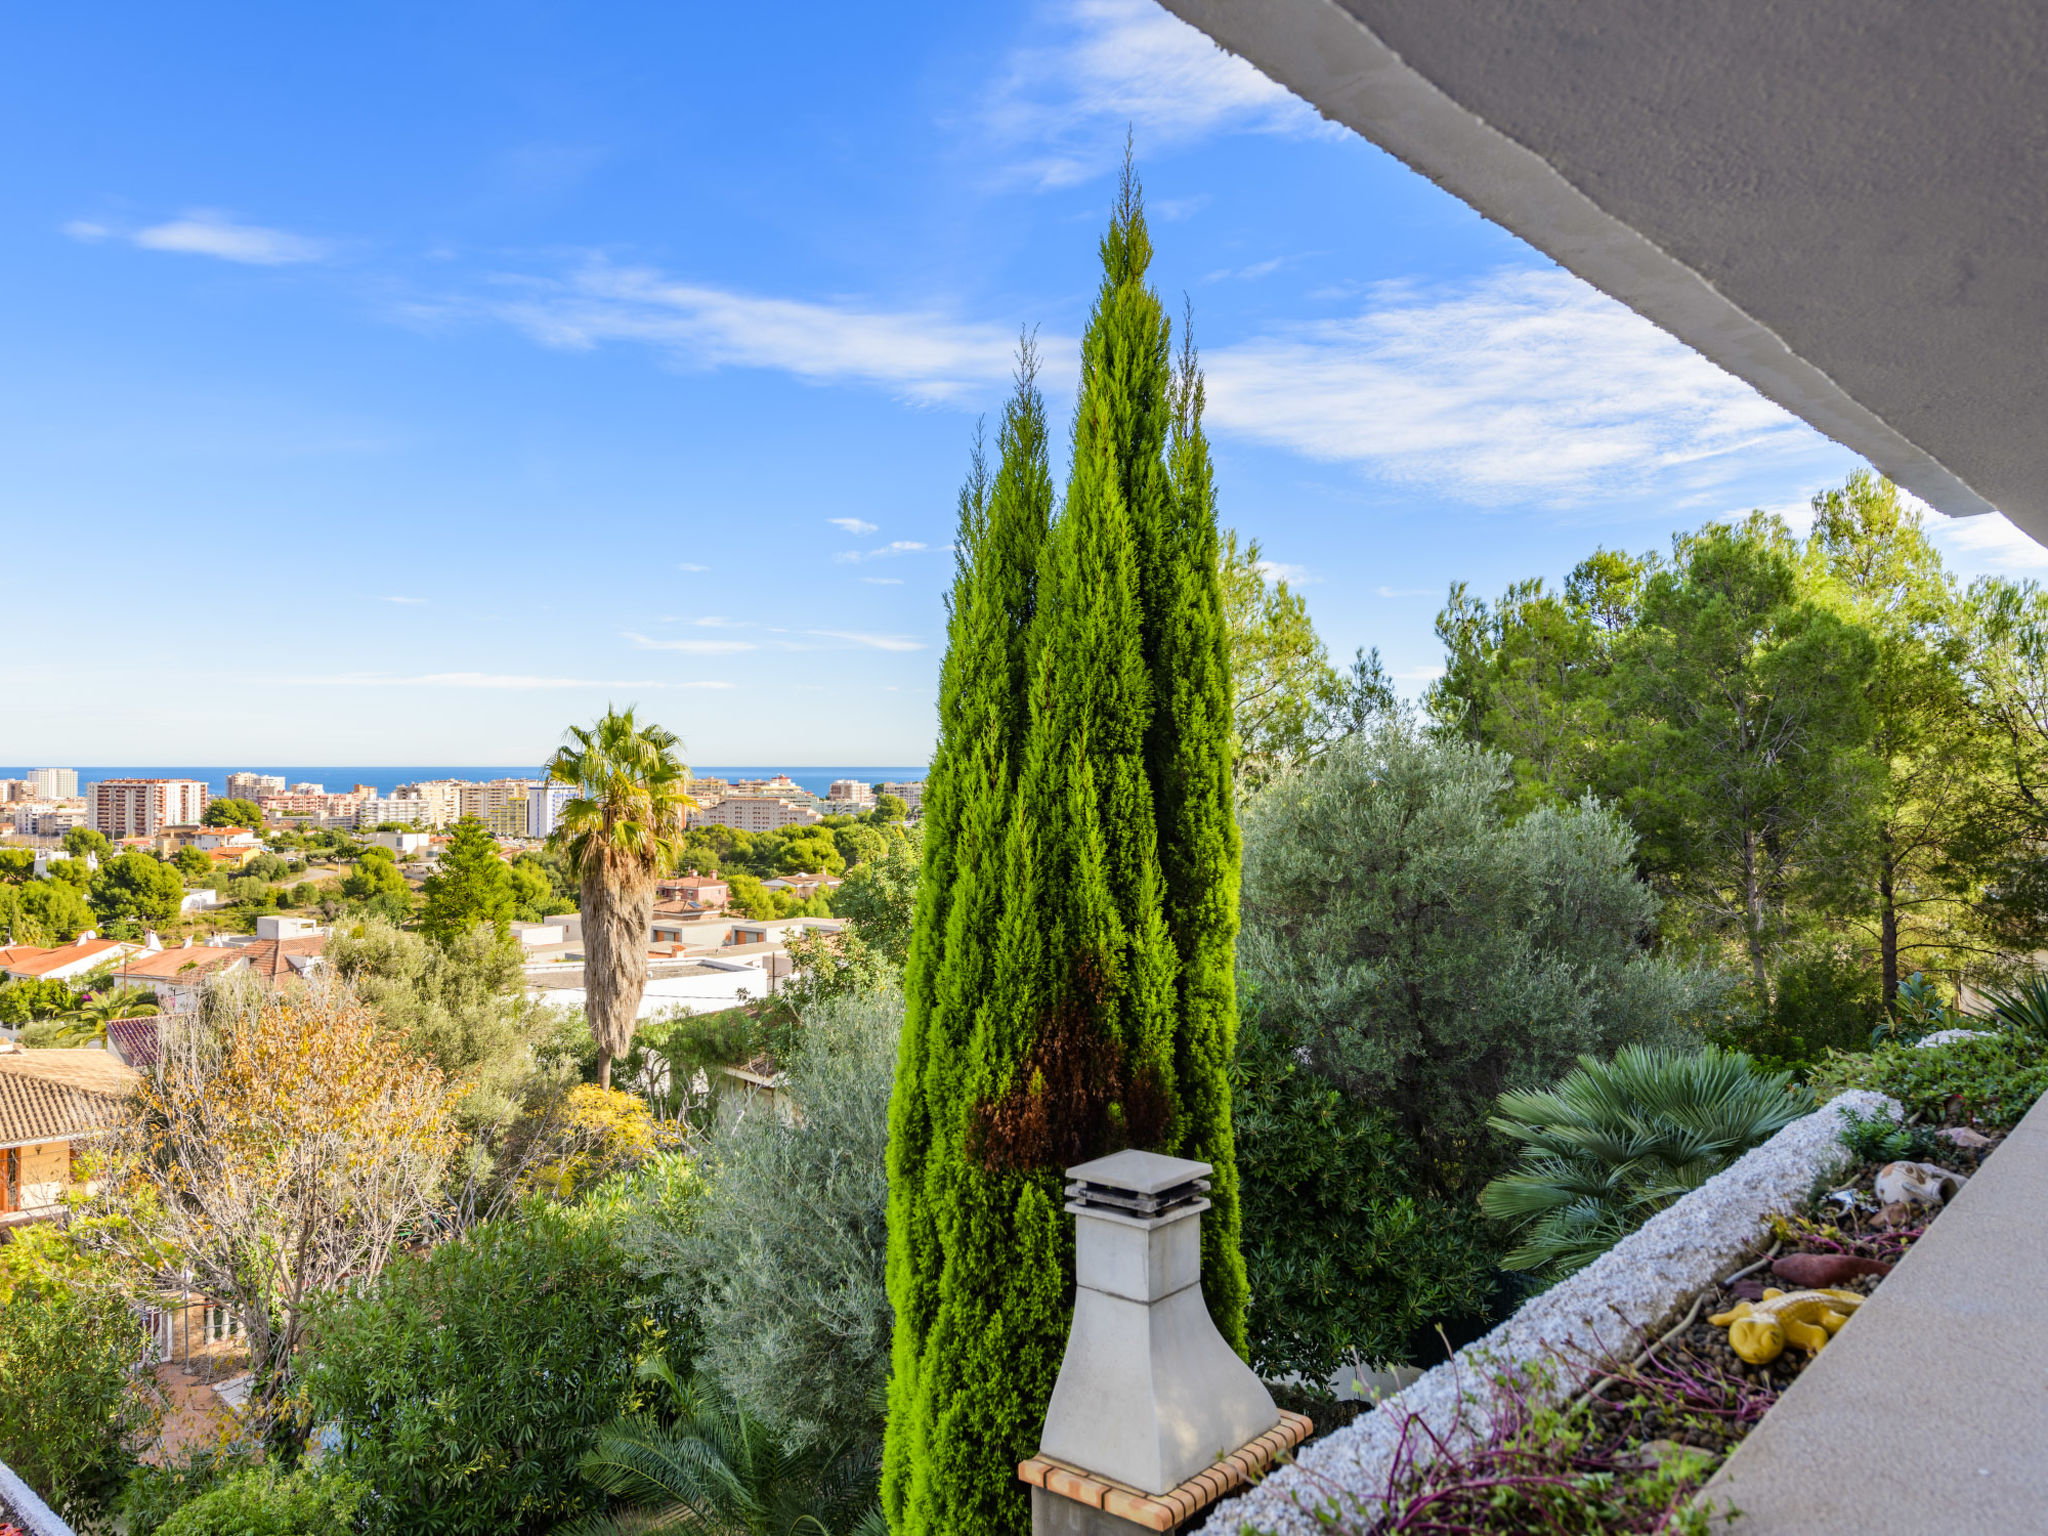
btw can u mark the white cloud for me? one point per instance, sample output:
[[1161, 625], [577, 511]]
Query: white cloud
[[1256, 269], [1524, 385], [883, 581], [920, 354], [692, 647], [872, 642], [1985, 545], [686, 566], [852, 525], [86, 230], [486, 680], [409, 601], [1108, 65], [212, 234], [1293, 575], [885, 552]]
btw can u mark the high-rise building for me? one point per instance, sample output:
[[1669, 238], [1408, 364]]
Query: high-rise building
[[851, 792], [485, 801], [441, 797], [248, 786], [544, 805], [374, 811], [54, 783], [144, 807], [912, 795]]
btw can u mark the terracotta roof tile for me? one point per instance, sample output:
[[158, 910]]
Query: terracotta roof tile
[[46, 1095]]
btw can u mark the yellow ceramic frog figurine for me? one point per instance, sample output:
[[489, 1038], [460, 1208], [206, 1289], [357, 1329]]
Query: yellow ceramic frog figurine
[[1758, 1331]]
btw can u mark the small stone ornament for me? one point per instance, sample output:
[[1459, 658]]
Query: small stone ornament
[[1758, 1331], [1922, 1184]]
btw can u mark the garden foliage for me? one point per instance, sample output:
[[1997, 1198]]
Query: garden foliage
[[1993, 1079], [262, 1501], [1347, 1260], [1615, 1142], [469, 1380], [1426, 954]]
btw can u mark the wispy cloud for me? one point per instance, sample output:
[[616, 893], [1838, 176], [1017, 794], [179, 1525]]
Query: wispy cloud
[[698, 569], [871, 642], [883, 581], [1293, 575], [1098, 67], [852, 525], [487, 680], [885, 552], [691, 647], [1257, 269], [922, 355], [1525, 385], [203, 233], [1986, 544], [408, 601]]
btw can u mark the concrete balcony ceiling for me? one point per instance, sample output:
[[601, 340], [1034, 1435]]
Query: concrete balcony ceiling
[[1843, 202]]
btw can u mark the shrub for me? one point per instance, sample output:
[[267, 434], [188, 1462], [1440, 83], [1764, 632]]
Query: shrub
[[260, 1501], [155, 1492], [73, 1410], [1824, 999], [468, 1380], [700, 1462], [1428, 956], [1343, 1259], [791, 1237], [1993, 1078], [1616, 1142]]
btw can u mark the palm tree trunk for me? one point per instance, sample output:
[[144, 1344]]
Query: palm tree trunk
[[617, 908]]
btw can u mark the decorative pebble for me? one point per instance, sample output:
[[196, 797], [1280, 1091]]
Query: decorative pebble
[[1963, 1136], [1811, 1271]]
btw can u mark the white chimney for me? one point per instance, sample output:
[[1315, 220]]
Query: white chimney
[[1148, 1393]]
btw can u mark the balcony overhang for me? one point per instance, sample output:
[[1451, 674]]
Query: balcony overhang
[[1843, 202]]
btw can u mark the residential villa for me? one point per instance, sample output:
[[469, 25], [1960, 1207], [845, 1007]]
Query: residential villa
[[53, 1105], [64, 962]]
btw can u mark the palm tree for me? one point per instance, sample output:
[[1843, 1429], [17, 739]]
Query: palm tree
[[85, 1022], [704, 1465], [621, 833], [1616, 1141]]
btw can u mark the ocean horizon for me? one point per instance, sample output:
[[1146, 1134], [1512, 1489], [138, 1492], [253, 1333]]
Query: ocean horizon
[[340, 778]]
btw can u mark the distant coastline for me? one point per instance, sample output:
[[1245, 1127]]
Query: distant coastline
[[387, 776]]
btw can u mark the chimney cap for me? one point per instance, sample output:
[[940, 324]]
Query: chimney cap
[[1139, 1173]]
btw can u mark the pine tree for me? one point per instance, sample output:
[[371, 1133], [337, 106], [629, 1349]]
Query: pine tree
[[473, 886], [1069, 986]]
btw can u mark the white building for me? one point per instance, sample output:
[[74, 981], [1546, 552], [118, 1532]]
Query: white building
[[851, 795], [375, 812], [250, 786], [755, 813], [54, 783], [544, 807], [441, 797], [144, 807], [912, 795]]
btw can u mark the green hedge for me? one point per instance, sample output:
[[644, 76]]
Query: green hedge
[[1994, 1079]]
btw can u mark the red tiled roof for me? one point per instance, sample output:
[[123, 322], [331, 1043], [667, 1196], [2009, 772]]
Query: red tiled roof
[[50, 1095], [44, 961], [169, 964], [134, 1041]]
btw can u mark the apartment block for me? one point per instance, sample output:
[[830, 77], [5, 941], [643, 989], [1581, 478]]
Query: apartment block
[[441, 797], [253, 786], [544, 807], [912, 795], [376, 810], [144, 807], [755, 813], [53, 783], [851, 792]]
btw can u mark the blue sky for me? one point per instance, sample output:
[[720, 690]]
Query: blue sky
[[399, 383]]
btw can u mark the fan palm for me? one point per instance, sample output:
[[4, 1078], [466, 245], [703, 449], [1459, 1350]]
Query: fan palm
[[85, 1022], [704, 1465], [621, 833], [1615, 1142]]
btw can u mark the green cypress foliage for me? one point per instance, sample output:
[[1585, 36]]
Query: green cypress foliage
[[1189, 756], [1069, 988]]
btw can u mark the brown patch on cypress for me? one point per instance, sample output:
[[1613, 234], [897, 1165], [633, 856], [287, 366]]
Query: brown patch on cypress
[[1073, 1098]]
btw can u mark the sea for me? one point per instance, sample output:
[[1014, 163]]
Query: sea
[[337, 779]]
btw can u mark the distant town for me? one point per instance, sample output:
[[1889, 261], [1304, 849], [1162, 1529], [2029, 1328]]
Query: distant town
[[253, 880]]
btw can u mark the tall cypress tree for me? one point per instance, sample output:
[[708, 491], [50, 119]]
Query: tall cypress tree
[[1065, 997], [934, 1200]]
